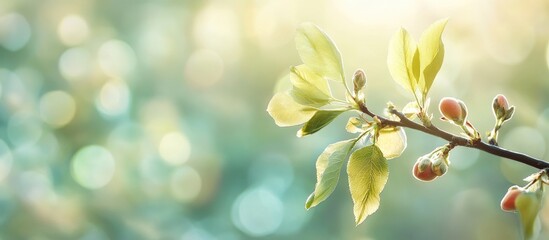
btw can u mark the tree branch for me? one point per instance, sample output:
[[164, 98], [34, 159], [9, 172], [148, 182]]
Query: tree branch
[[457, 140]]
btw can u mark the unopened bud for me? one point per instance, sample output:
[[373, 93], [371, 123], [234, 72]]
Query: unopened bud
[[439, 166], [422, 169], [508, 201], [453, 110], [359, 80], [502, 101], [501, 108], [500, 105], [440, 169], [423, 163]]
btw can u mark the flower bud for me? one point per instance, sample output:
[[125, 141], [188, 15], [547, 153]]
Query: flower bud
[[423, 163], [423, 169], [359, 80], [500, 106], [453, 110], [508, 202], [439, 166]]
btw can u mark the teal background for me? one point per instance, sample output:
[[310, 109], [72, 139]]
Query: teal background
[[146, 119]]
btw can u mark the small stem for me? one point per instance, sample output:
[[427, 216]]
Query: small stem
[[457, 140], [493, 137], [347, 88], [466, 130]]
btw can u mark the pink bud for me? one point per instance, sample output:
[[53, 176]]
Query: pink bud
[[508, 201], [502, 101], [453, 109], [500, 107], [422, 170]]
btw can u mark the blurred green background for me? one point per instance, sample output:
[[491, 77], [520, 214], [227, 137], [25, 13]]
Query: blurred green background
[[146, 119]]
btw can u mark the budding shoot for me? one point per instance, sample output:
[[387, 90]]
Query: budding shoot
[[423, 170], [453, 110], [508, 201]]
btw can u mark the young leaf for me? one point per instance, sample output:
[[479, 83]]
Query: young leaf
[[286, 112], [411, 110], [328, 168], [318, 52], [528, 205], [354, 125], [318, 121], [400, 60], [309, 88], [368, 173], [391, 142], [431, 55]]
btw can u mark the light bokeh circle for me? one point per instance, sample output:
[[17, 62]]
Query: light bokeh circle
[[174, 148], [93, 167], [57, 108], [73, 30], [258, 212]]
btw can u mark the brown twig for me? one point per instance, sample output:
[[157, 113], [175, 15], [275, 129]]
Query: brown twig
[[457, 140]]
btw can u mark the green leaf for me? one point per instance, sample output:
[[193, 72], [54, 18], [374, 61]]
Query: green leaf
[[286, 112], [528, 205], [318, 121], [318, 52], [431, 55], [309, 88], [328, 168], [391, 142], [403, 60], [368, 174]]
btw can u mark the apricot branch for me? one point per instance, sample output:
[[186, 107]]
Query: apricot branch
[[456, 140], [414, 66]]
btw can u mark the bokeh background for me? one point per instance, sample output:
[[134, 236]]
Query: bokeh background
[[146, 119]]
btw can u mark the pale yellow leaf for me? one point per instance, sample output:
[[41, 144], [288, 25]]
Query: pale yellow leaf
[[309, 88], [400, 60], [354, 125], [411, 110], [431, 55], [391, 142], [286, 112], [368, 173], [318, 52]]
